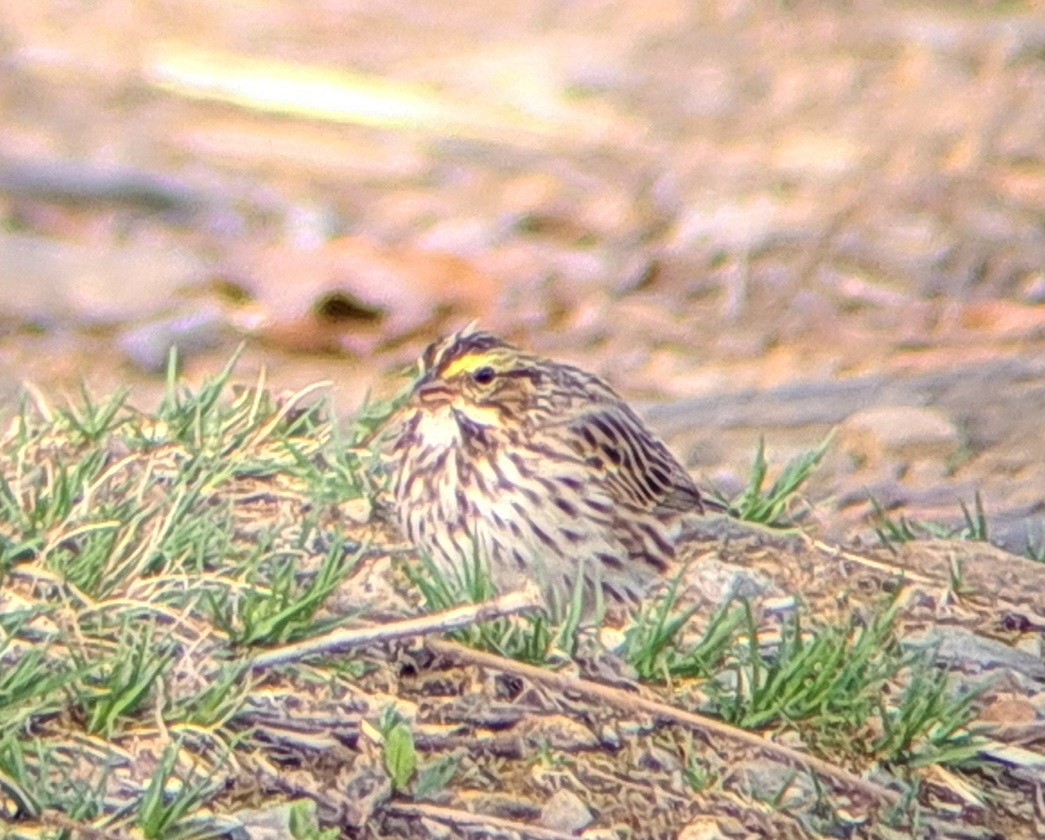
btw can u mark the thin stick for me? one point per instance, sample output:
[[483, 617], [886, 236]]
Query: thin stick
[[635, 703], [522, 600], [895, 571], [465, 818]]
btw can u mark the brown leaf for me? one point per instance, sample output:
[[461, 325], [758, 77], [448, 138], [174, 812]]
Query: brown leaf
[[354, 295]]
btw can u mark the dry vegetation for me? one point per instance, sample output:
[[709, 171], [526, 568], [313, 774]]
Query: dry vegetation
[[203, 634]]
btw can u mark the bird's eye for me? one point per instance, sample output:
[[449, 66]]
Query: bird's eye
[[484, 375]]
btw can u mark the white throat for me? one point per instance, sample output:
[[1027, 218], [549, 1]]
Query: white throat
[[439, 430]]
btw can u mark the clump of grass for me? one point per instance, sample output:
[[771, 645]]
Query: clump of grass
[[930, 724], [536, 639], [166, 809], [773, 506], [33, 677], [837, 684], [216, 703], [652, 644], [975, 527], [833, 674], [93, 421], [339, 473], [119, 685], [897, 530], [277, 603]]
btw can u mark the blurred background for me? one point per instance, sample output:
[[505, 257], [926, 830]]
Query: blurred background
[[753, 218]]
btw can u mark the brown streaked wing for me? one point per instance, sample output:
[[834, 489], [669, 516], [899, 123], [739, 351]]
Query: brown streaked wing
[[638, 467]]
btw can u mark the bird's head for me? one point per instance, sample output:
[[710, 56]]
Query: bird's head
[[480, 376]]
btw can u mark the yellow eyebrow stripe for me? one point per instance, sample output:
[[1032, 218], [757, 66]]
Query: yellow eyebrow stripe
[[468, 362]]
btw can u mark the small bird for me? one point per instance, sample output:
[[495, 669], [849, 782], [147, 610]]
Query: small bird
[[537, 467]]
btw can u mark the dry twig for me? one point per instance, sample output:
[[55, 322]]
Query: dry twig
[[633, 703], [454, 817], [522, 600]]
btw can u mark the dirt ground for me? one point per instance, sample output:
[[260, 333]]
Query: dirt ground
[[754, 219]]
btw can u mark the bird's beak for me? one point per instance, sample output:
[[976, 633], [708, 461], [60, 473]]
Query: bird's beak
[[432, 391]]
